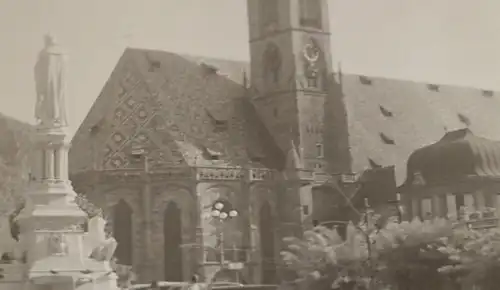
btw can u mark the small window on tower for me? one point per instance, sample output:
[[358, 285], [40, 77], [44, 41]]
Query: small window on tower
[[319, 150], [312, 82], [310, 13]]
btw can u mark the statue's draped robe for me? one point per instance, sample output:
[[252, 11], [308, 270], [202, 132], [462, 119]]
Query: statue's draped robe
[[50, 90]]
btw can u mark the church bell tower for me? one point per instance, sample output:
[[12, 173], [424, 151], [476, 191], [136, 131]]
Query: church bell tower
[[290, 71]]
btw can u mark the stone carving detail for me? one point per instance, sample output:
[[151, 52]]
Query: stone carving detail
[[99, 245], [261, 174], [220, 173], [57, 245]]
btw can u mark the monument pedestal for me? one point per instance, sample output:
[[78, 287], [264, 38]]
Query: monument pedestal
[[56, 246], [53, 249]]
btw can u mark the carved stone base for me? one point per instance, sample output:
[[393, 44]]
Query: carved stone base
[[89, 275]]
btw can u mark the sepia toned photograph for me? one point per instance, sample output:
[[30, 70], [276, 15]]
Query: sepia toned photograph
[[249, 145]]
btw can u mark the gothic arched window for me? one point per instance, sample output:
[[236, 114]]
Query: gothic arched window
[[122, 229], [268, 13], [267, 243], [310, 13], [172, 233], [272, 63]]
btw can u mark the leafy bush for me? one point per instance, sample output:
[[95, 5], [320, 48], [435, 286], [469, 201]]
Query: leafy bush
[[405, 254]]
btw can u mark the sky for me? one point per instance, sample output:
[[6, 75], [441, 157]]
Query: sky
[[438, 41]]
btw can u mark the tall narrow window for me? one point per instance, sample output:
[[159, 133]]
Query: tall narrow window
[[122, 229], [426, 208], [268, 11], [319, 150], [267, 232], [172, 233], [310, 13], [469, 201], [271, 64]]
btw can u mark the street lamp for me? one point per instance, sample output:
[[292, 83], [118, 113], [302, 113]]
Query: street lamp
[[223, 211]]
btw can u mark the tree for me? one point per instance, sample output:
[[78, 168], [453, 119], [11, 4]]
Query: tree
[[409, 253], [475, 256], [406, 254], [323, 255]]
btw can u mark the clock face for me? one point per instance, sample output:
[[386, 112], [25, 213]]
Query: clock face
[[311, 51]]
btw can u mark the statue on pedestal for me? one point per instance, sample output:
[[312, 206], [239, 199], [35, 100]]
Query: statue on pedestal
[[50, 83]]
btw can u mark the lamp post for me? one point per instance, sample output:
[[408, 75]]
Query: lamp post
[[222, 211]]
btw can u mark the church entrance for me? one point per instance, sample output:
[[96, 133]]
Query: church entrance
[[172, 232], [266, 226]]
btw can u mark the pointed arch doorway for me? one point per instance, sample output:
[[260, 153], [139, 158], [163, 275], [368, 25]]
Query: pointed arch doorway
[[266, 230], [122, 230], [172, 232]]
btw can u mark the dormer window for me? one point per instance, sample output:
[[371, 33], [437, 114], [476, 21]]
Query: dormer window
[[464, 119], [385, 111], [386, 139], [219, 125], [365, 80], [487, 93], [433, 87], [210, 69], [319, 150], [154, 65]]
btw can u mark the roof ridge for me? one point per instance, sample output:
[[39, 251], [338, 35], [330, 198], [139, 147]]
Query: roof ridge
[[181, 54], [418, 82]]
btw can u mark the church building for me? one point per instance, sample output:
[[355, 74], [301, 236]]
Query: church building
[[283, 139]]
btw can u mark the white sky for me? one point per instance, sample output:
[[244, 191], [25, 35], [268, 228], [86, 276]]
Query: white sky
[[440, 41]]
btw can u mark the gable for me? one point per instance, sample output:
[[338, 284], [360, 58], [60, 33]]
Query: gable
[[173, 107], [205, 103]]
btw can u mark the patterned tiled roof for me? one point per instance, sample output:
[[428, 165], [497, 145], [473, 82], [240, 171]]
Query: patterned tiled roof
[[201, 108], [198, 109], [389, 119]]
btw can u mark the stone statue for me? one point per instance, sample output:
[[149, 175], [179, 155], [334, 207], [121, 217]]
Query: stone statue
[[7, 243], [99, 246], [50, 108]]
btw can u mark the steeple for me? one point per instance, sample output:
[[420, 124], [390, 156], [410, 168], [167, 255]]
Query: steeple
[[290, 69]]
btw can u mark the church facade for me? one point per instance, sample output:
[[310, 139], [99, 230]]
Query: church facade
[[281, 139]]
